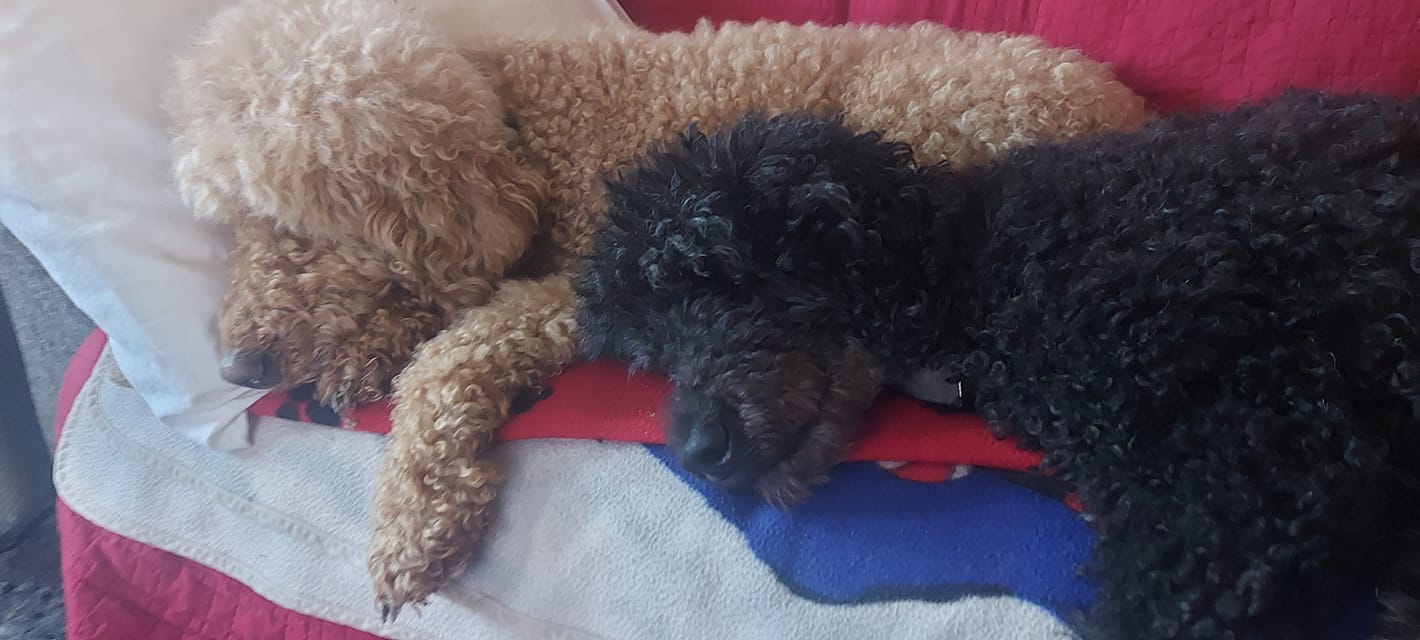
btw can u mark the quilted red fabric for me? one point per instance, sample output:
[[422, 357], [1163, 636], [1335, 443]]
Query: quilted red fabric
[[120, 589], [1179, 55]]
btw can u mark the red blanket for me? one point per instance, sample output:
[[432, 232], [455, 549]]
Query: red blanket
[[600, 401]]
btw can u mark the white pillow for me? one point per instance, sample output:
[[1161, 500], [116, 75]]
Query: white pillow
[[84, 182]]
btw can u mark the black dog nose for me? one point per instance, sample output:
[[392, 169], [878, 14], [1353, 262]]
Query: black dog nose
[[254, 368], [706, 452]]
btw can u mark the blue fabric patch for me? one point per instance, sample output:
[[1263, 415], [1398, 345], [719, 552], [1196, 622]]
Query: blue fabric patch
[[869, 536]]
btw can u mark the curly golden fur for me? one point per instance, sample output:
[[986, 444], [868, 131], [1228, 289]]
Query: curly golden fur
[[386, 184], [337, 313]]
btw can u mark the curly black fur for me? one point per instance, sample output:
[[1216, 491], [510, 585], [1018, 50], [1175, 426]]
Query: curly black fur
[[1209, 326], [768, 389]]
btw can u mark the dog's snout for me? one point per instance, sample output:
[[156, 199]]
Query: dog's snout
[[254, 368], [708, 439], [706, 452]]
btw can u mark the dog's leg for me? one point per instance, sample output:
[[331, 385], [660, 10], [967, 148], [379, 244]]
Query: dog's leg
[[1234, 521], [436, 487]]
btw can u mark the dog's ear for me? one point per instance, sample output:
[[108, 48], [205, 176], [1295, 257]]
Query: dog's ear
[[357, 122], [593, 335], [591, 285], [437, 179]]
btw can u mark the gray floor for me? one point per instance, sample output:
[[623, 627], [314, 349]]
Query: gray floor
[[45, 328], [31, 598]]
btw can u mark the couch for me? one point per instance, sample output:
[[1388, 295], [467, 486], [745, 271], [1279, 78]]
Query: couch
[[274, 548]]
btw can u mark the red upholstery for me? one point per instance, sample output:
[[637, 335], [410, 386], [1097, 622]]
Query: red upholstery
[[1177, 54]]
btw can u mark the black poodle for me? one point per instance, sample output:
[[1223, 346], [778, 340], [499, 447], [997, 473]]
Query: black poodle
[[1209, 326]]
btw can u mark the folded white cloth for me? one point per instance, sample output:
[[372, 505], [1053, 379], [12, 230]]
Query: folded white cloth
[[593, 540]]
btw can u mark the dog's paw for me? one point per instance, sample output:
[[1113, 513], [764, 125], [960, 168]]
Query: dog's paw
[[404, 568], [426, 532], [355, 367], [352, 379], [338, 372], [399, 581]]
